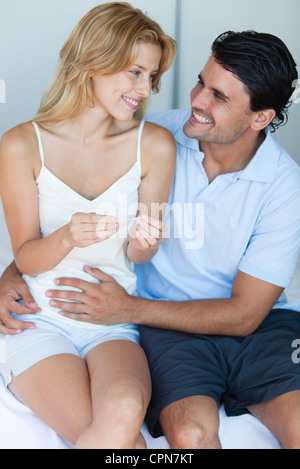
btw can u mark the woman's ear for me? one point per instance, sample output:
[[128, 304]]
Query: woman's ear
[[262, 119]]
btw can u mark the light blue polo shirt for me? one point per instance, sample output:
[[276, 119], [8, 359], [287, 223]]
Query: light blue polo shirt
[[247, 220]]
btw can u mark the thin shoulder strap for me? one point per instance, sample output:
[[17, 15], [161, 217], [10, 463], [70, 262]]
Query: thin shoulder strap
[[139, 140], [38, 134]]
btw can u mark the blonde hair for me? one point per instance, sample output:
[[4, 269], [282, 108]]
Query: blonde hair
[[104, 42]]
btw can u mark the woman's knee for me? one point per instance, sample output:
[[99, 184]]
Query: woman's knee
[[126, 405]]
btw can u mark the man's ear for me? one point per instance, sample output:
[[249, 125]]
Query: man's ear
[[262, 119]]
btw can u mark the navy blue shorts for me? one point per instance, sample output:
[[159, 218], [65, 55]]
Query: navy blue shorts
[[235, 371]]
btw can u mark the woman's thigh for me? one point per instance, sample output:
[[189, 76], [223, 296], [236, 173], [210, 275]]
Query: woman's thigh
[[121, 390], [57, 390], [115, 366]]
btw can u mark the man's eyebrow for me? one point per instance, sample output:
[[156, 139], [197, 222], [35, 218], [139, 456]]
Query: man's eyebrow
[[219, 93]]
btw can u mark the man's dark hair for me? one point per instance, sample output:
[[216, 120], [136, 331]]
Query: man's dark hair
[[264, 64]]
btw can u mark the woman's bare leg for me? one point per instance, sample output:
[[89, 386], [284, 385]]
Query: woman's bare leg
[[57, 390], [121, 388]]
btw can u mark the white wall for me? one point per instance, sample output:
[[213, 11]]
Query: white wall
[[202, 22], [32, 33]]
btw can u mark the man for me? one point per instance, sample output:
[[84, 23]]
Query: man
[[211, 305]]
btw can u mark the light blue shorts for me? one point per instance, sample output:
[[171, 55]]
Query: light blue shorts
[[21, 351]]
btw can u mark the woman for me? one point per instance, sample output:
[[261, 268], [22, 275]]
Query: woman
[[72, 181]]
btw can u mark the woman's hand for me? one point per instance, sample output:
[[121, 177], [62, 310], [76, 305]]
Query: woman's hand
[[146, 233], [86, 229]]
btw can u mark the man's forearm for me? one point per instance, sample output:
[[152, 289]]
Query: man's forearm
[[106, 302], [11, 271], [240, 315], [208, 317]]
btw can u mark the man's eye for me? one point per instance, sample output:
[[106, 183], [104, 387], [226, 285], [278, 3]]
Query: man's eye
[[219, 98]]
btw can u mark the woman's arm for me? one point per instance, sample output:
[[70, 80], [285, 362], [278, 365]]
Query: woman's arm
[[19, 168], [158, 166]]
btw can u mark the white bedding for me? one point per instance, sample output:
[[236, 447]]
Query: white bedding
[[21, 429]]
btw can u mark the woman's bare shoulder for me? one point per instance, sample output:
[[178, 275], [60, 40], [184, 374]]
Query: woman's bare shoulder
[[19, 140], [158, 140], [157, 131]]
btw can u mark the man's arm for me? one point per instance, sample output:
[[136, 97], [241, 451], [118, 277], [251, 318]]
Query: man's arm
[[108, 303], [12, 289]]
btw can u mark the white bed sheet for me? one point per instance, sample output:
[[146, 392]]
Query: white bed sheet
[[21, 429]]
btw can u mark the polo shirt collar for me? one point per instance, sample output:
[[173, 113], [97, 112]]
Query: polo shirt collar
[[181, 138], [262, 167], [264, 164]]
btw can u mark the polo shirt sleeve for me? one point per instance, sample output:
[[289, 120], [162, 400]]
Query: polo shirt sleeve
[[274, 247]]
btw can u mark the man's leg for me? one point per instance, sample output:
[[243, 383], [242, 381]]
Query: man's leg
[[282, 416], [264, 379], [192, 423], [188, 381]]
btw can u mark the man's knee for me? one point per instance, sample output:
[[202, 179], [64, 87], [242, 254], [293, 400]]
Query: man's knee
[[194, 437], [192, 423]]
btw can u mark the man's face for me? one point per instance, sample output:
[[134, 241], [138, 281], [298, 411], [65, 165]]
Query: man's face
[[220, 103]]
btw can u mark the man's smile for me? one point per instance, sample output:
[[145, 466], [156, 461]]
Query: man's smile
[[201, 119]]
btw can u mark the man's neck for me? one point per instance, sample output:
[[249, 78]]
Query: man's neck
[[229, 158]]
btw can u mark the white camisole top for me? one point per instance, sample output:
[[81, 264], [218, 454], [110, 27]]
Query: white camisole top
[[57, 203]]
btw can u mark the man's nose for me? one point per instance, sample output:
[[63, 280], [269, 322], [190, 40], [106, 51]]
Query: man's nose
[[200, 98]]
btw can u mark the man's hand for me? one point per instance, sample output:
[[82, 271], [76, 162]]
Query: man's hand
[[12, 289], [104, 303]]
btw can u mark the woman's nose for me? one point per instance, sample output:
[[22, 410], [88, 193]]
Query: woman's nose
[[144, 88]]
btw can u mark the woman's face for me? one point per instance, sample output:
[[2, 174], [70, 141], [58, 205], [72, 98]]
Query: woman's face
[[121, 93]]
